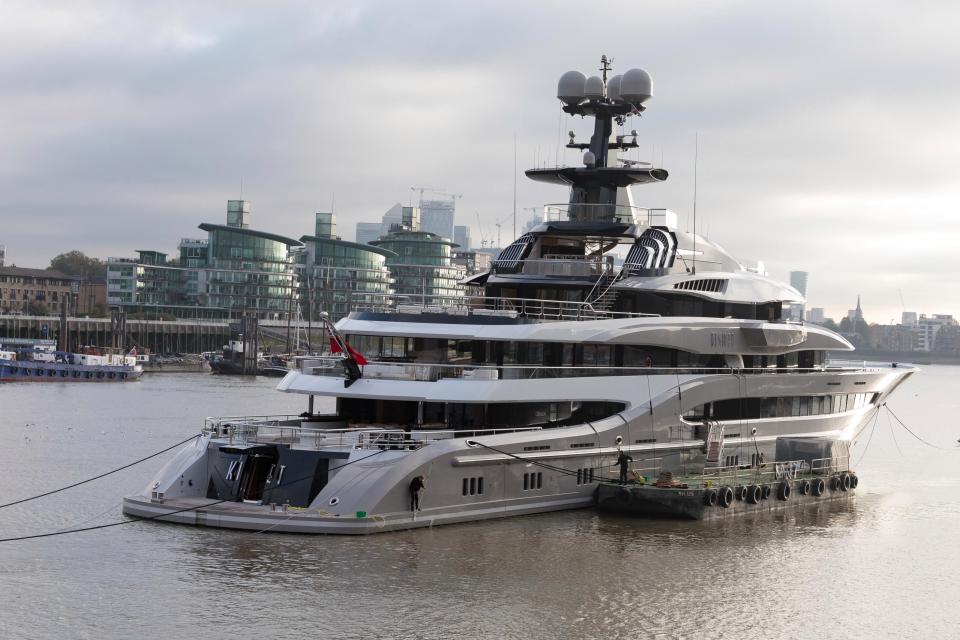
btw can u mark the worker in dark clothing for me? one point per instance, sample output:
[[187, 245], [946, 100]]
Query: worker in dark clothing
[[416, 487], [624, 461]]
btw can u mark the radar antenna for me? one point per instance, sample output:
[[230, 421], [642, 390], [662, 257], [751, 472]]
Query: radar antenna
[[605, 65]]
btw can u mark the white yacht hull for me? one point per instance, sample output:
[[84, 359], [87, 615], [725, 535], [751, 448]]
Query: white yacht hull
[[371, 496]]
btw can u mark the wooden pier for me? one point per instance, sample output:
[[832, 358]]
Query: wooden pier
[[160, 336]]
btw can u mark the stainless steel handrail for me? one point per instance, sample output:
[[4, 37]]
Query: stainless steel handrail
[[266, 429], [431, 372], [479, 305]]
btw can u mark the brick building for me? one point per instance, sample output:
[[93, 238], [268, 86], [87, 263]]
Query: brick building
[[34, 291]]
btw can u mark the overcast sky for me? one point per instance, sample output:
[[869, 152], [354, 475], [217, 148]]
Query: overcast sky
[[829, 132]]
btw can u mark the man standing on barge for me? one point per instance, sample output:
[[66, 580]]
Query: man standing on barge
[[624, 461]]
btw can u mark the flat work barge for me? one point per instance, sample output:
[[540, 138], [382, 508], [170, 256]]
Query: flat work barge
[[730, 491]]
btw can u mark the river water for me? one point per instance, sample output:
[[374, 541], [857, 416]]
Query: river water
[[883, 565]]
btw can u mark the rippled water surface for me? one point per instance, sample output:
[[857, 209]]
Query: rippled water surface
[[883, 565]]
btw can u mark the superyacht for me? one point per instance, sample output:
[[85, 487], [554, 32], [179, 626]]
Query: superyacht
[[519, 398]]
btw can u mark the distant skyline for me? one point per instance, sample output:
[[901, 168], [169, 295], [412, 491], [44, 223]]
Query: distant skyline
[[828, 131]]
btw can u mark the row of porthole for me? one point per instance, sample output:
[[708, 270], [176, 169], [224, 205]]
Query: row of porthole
[[753, 494], [52, 373]]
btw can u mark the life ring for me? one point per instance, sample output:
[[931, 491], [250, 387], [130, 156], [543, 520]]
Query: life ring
[[845, 482], [755, 494], [741, 492], [804, 487], [784, 491], [710, 498], [834, 483], [818, 486], [766, 491], [725, 498]]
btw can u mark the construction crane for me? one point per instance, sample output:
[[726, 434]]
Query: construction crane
[[422, 190], [498, 224], [483, 236], [443, 192]]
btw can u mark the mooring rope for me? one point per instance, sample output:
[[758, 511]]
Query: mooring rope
[[929, 444], [102, 475], [164, 515]]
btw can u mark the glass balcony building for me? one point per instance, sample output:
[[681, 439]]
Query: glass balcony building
[[337, 275], [249, 271], [422, 264]]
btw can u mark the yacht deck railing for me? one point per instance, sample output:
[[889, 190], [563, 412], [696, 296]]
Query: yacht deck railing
[[244, 430], [487, 306], [332, 366]]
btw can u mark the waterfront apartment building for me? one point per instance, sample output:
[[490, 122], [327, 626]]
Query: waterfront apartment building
[[35, 291], [336, 275], [926, 330], [235, 271], [473, 262], [422, 264]]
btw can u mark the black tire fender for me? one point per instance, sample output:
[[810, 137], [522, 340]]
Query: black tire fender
[[845, 482], [710, 498], [818, 486], [755, 494], [725, 497], [784, 490], [854, 481], [804, 487], [766, 491], [741, 492]]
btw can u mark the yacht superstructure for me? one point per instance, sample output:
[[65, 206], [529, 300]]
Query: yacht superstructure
[[519, 398]]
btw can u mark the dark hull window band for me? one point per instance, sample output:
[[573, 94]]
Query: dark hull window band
[[780, 407]]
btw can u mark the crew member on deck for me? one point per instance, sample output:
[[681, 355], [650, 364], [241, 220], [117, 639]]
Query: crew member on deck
[[624, 461], [416, 486]]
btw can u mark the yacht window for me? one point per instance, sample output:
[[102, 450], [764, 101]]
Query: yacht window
[[533, 480]]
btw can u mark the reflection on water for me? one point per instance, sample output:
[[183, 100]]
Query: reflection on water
[[879, 565]]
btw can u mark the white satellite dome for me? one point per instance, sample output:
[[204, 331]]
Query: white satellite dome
[[613, 88], [636, 86], [593, 87], [570, 87]]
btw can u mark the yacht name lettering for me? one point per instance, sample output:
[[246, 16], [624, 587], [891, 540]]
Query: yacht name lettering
[[721, 339]]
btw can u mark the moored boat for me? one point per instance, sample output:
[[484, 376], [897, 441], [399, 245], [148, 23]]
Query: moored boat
[[41, 362], [518, 399]]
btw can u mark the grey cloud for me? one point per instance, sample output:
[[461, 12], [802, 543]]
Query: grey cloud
[[118, 120]]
